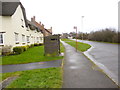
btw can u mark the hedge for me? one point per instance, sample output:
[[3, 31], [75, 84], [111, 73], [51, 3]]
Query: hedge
[[20, 49]]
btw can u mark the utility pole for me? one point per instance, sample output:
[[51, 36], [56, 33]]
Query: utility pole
[[82, 25], [75, 27]]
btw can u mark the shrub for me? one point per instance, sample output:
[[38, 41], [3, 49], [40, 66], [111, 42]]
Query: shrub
[[28, 46], [24, 48], [18, 50], [104, 35], [36, 44], [6, 50], [32, 45], [0, 51], [40, 44]]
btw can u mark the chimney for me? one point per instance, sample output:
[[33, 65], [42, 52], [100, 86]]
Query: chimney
[[51, 28], [31, 19], [34, 18], [40, 23], [43, 25]]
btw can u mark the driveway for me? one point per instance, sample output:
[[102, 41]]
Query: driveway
[[104, 55]]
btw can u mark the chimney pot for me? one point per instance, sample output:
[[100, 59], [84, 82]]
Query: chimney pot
[[40, 23], [31, 19], [34, 17]]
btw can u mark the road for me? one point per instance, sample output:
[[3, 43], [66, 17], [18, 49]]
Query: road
[[80, 72], [105, 55]]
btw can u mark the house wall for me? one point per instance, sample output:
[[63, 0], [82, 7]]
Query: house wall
[[119, 16], [16, 24]]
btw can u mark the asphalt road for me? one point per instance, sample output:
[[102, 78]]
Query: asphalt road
[[79, 72], [106, 56]]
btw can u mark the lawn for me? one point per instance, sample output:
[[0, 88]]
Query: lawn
[[35, 54], [37, 78], [81, 46]]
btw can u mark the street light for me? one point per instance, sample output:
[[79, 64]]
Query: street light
[[75, 27], [82, 26]]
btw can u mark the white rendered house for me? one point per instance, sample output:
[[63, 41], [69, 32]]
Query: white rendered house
[[15, 29]]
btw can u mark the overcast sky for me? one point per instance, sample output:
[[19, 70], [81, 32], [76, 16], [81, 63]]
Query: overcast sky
[[63, 15]]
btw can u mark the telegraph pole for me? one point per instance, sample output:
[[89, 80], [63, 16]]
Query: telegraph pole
[[75, 27], [82, 26]]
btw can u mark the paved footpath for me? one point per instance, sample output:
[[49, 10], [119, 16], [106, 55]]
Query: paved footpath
[[79, 72], [29, 66]]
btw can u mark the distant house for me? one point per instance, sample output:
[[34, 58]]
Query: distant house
[[46, 32], [15, 29], [64, 36]]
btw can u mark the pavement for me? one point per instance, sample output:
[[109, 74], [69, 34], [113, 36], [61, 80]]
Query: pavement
[[80, 72], [105, 55], [29, 66]]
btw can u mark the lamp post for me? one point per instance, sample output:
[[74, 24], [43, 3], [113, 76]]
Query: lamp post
[[75, 27], [82, 25]]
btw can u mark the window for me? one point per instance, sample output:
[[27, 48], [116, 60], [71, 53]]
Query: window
[[16, 38], [41, 38], [1, 38], [28, 28], [28, 39], [22, 23], [37, 39], [23, 38]]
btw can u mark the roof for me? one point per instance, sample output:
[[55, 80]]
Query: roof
[[33, 26], [48, 31], [8, 8]]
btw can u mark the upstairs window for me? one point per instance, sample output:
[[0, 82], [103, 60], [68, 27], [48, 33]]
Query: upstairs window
[[1, 38], [22, 25]]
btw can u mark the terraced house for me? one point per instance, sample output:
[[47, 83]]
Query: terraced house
[[15, 29]]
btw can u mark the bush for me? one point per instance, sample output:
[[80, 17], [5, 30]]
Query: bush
[[36, 44], [28, 46], [32, 45], [18, 50], [104, 35], [24, 48], [40, 44], [6, 50]]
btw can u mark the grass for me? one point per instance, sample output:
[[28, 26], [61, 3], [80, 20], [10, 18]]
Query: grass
[[35, 54], [62, 49], [37, 78], [81, 46]]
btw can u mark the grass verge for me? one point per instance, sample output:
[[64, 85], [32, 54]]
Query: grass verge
[[37, 78], [35, 54], [81, 46], [62, 49]]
